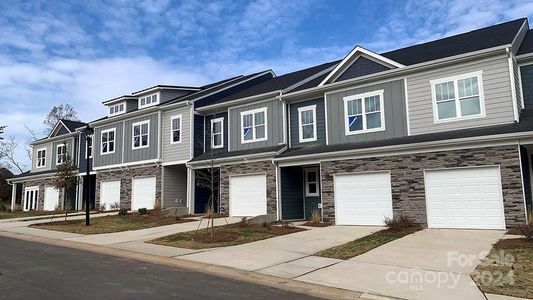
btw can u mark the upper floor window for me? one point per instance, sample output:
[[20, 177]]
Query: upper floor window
[[217, 133], [108, 141], [175, 129], [458, 97], [41, 158], [307, 123], [149, 100], [364, 113], [60, 153], [89, 150], [254, 125], [117, 109], [140, 134]]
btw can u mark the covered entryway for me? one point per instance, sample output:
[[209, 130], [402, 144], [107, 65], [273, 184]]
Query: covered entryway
[[202, 189], [300, 192], [362, 198], [51, 198], [247, 195], [469, 198], [109, 194], [143, 193]]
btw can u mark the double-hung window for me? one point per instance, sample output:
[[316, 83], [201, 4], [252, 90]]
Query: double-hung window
[[41, 158], [254, 125], [108, 141], [175, 129], [140, 135], [217, 133], [311, 182], [458, 97], [60, 153], [307, 123], [364, 113]]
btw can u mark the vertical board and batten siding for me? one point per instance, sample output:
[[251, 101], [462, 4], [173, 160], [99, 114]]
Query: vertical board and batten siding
[[69, 142], [115, 158], [320, 123], [274, 125], [166, 95], [361, 66], [175, 186], [394, 110], [48, 160], [178, 151], [207, 132], [526, 73], [198, 135], [150, 152], [496, 88], [82, 166], [132, 104]]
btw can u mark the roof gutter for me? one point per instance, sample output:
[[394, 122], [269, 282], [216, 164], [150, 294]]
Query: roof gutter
[[56, 138]]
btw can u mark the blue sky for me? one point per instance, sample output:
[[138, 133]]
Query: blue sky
[[83, 52]]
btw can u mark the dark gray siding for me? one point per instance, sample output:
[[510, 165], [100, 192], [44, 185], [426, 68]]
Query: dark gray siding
[[274, 125], [198, 134], [526, 72], [83, 162], [62, 130], [115, 158], [362, 66], [150, 152], [208, 131], [132, 104], [167, 95], [320, 122], [394, 110], [292, 205]]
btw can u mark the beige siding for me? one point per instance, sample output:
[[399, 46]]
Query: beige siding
[[179, 151], [496, 87], [48, 162]]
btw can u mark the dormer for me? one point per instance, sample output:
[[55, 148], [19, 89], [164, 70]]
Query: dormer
[[149, 100], [117, 108]]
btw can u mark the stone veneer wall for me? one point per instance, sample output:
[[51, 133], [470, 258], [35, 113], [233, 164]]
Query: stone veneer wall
[[407, 178], [126, 176], [42, 183], [262, 167]]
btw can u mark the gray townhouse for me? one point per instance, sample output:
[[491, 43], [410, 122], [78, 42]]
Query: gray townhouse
[[441, 132]]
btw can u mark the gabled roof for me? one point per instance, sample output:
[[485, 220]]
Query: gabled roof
[[527, 44], [69, 125]]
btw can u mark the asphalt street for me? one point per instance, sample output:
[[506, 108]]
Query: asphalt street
[[31, 270]]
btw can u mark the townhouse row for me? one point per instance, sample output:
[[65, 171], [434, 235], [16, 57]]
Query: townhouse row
[[440, 132]]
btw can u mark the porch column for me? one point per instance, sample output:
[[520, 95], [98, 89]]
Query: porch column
[[13, 195], [190, 190]]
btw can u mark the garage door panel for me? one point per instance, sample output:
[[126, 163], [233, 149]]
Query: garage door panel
[[143, 194], [248, 195], [109, 193], [464, 198], [51, 198]]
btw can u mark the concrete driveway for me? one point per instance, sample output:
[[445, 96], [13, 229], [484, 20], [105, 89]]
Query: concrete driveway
[[265, 254], [430, 264]]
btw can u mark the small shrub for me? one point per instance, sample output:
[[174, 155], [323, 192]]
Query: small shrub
[[3, 207], [527, 231], [243, 222], [102, 207], [143, 211], [286, 225], [122, 211], [267, 225], [315, 217], [114, 206], [399, 222]]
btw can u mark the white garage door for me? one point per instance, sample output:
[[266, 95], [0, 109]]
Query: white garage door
[[465, 198], [363, 198], [51, 198], [143, 193], [247, 196], [109, 193]]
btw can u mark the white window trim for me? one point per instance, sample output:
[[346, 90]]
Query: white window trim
[[151, 104], [455, 79], [92, 147], [172, 130], [147, 135], [307, 193], [300, 128], [213, 121], [37, 156], [114, 130], [117, 105], [252, 112], [57, 153], [363, 115]]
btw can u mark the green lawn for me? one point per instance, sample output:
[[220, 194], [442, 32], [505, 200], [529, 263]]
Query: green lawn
[[115, 223], [228, 235], [366, 243], [508, 269]]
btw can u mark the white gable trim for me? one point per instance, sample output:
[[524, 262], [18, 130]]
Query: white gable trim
[[358, 50], [56, 128]]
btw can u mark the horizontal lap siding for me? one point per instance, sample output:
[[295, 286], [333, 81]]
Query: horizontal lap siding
[[496, 88], [133, 155], [320, 122], [394, 110], [48, 161], [179, 151], [99, 159], [175, 186]]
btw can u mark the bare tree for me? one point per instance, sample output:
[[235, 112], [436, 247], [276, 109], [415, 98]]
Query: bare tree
[[2, 131], [31, 137], [57, 113], [7, 154], [66, 178]]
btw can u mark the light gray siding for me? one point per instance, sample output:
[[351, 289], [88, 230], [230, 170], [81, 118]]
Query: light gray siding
[[182, 150], [48, 162], [150, 152], [69, 142], [496, 88], [320, 122], [115, 158], [274, 125], [175, 186], [394, 110], [516, 74]]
